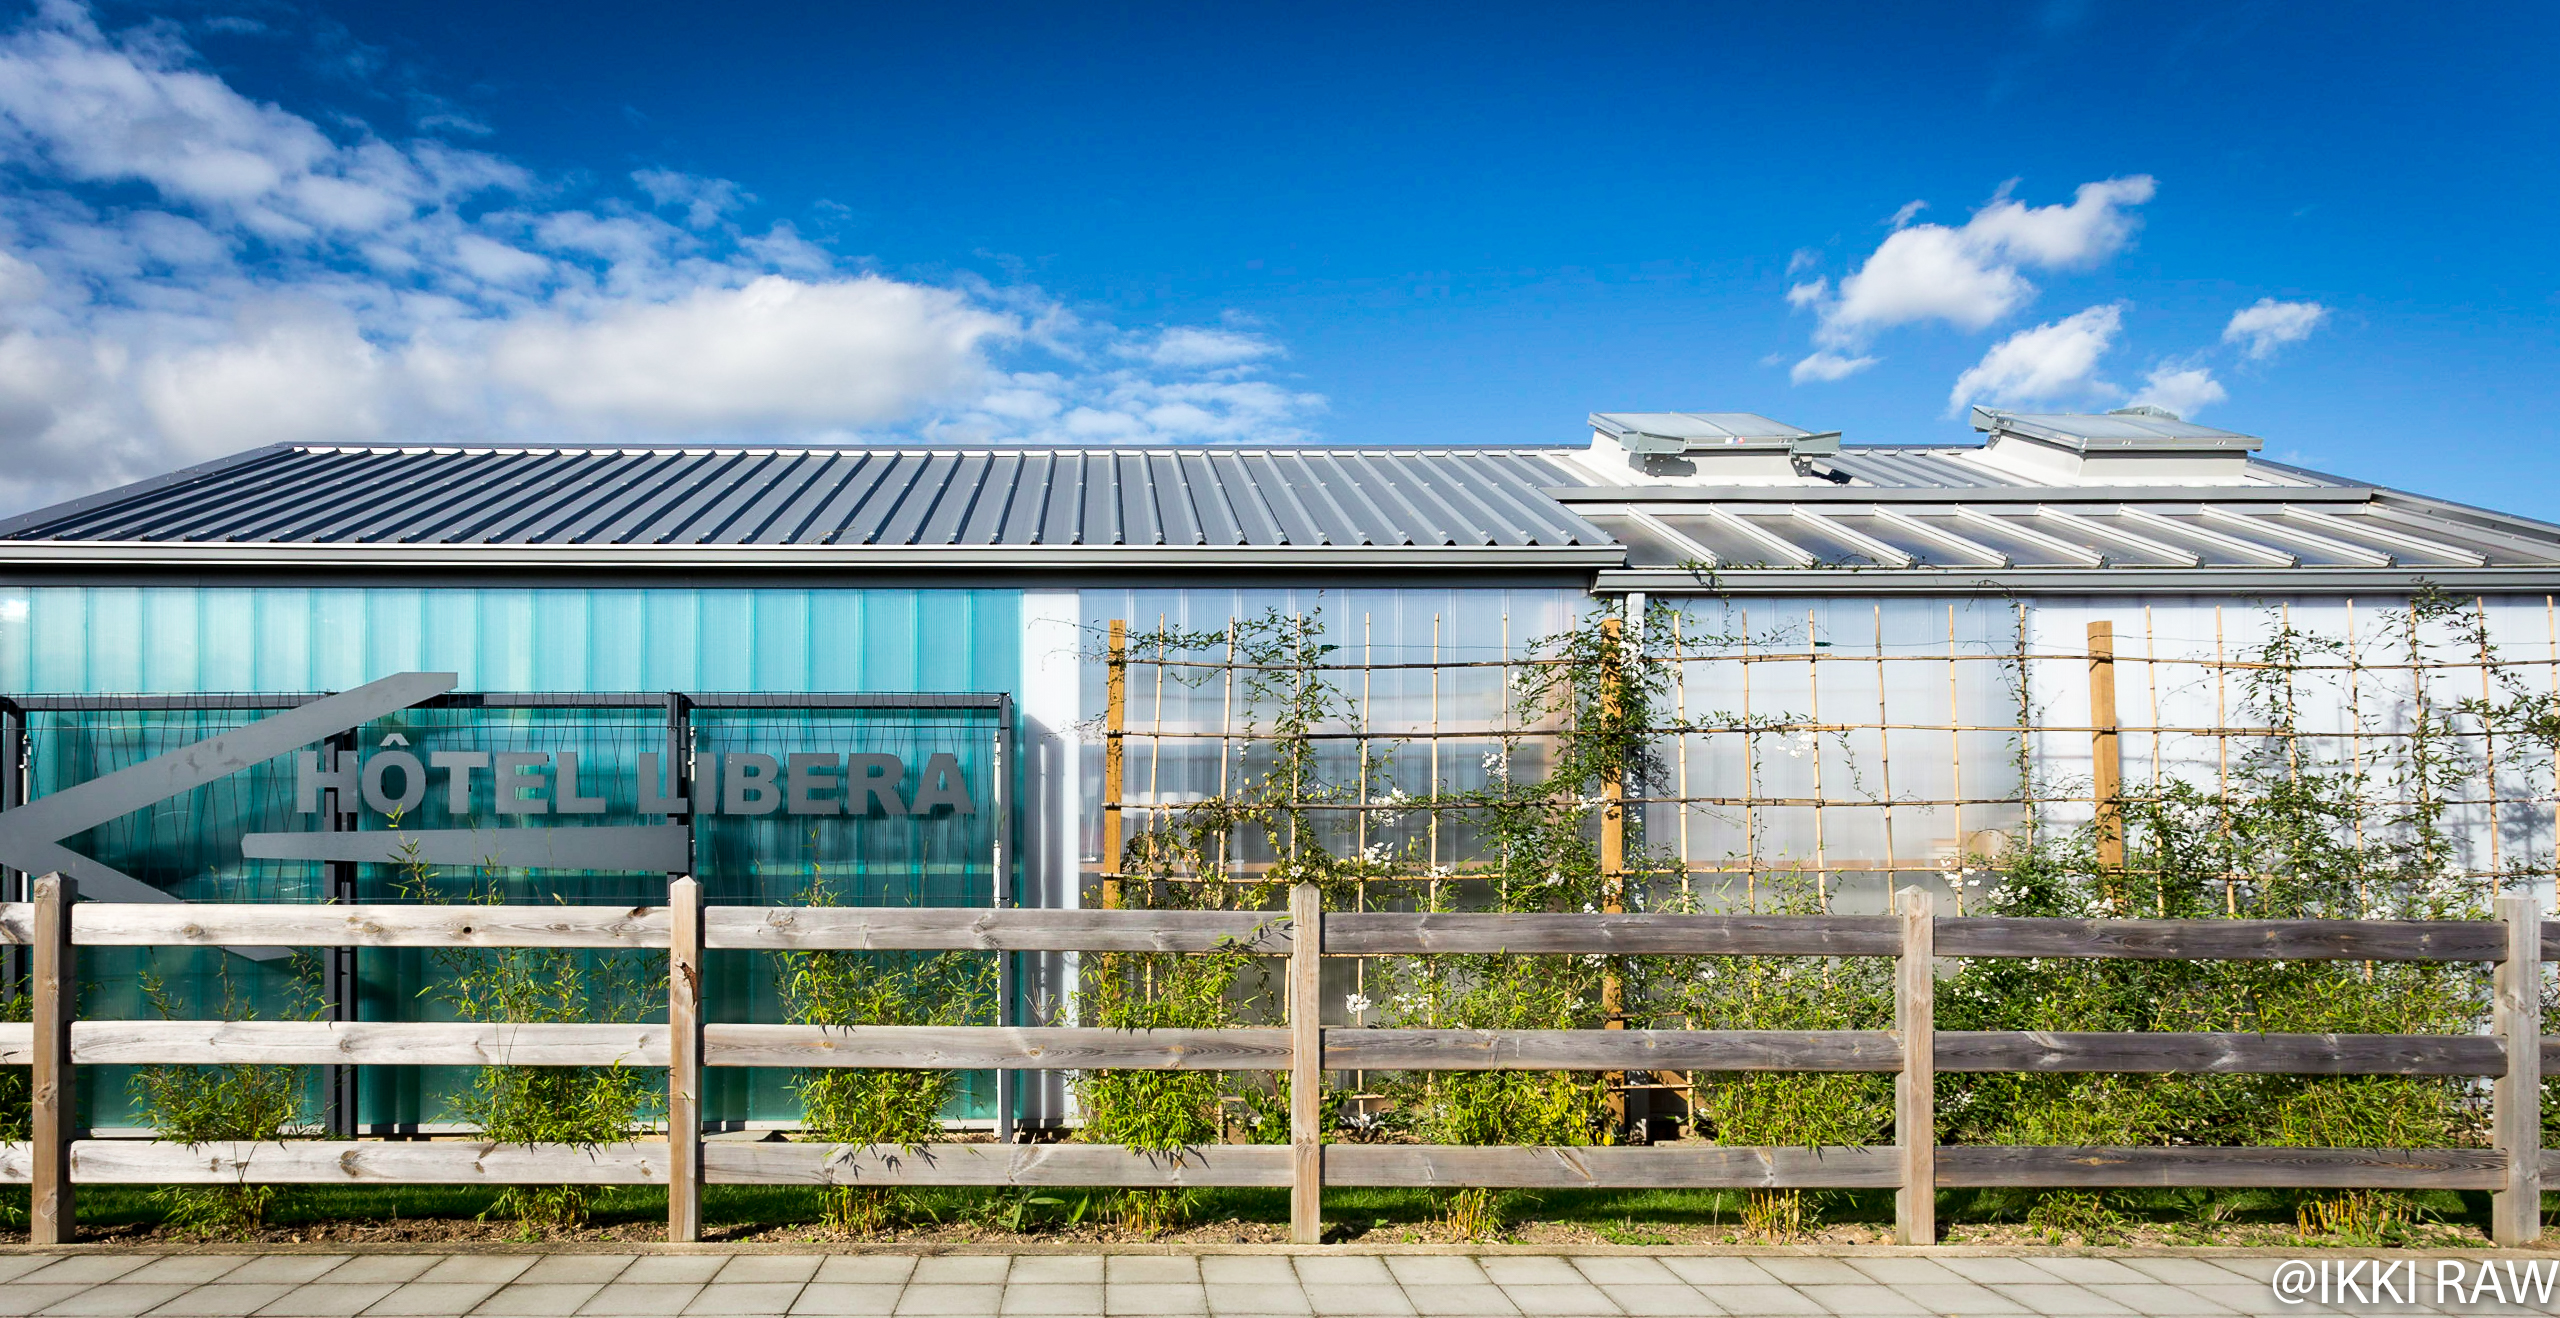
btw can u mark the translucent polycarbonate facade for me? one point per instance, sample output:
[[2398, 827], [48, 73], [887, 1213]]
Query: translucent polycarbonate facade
[[147, 639], [182, 641], [1845, 742]]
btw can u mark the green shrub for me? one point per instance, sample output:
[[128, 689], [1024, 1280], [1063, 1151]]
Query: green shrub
[[247, 1104], [878, 1107]]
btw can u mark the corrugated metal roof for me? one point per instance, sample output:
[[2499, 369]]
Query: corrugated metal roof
[[1023, 498], [1909, 518]]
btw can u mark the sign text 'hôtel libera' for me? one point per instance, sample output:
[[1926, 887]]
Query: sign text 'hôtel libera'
[[394, 780]]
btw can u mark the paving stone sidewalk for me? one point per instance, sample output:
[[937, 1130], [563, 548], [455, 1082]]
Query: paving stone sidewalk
[[748, 1285]]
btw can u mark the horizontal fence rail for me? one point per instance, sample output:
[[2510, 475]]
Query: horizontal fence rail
[[2513, 1054]]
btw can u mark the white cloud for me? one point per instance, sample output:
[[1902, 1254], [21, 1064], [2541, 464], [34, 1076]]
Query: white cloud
[[2267, 325], [1971, 276], [2181, 387], [851, 353], [1828, 366], [2050, 362], [1188, 348], [185, 271]]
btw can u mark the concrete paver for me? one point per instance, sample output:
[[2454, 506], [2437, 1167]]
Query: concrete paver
[[1053, 1297], [566, 1268], [36, 1297], [193, 1269], [228, 1299], [541, 1297], [1561, 1300], [865, 1269], [1260, 1298], [120, 1299], [188, 1284], [746, 1297], [626, 1299], [426, 1299], [842, 1297]]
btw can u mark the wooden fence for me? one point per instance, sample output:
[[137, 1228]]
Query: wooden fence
[[2513, 1052]]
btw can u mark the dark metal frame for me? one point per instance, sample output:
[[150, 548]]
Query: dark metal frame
[[339, 980]]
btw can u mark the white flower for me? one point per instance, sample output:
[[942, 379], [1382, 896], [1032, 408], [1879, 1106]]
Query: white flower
[[1358, 1004], [1799, 744]]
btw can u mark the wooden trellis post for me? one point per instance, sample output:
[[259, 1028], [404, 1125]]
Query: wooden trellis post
[[1613, 857], [1915, 1098], [52, 1215], [684, 1060], [1115, 726], [2515, 1116], [2106, 762], [1306, 1065]]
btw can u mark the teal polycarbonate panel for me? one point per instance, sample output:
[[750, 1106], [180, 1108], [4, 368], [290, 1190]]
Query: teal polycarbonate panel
[[188, 640], [172, 639]]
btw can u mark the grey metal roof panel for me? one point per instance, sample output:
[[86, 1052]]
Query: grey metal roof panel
[[1138, 498]]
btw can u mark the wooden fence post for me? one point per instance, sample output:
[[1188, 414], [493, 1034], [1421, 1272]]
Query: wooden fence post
[[52, 1217], [684, 1060], [1306, 1064], [1115, 724], [2516, 1110], [2106, 756], [1915, 1100]]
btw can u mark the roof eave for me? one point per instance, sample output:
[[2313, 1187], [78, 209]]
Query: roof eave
[[979, 558], [2071, 581]]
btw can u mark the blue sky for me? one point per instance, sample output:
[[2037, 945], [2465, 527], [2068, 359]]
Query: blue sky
[[1378, 224]]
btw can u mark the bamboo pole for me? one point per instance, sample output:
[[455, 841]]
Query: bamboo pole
[[2106, 765], [1306, 1064], [1955, 761], [1115, 728], [1915, 1103], [52, 1210], [684, 1064], [1613, 852]]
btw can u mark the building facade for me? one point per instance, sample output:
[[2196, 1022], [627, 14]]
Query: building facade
[[876, 675]]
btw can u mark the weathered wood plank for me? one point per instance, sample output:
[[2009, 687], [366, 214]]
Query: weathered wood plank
[[1915, 1088], [1377, 933], [344, 1162], [684, 1061], [53, 1214], [2068, 1166], [1662, 1166], [366, 1043], [17, 923], [2515, 1112], [1611, 1050], [1306, 1067], [990, 1047], [17, 1043], [726, 1162], [2224, 940], [17, 1163], [209, 924], [949, 928], [2232, 1054]]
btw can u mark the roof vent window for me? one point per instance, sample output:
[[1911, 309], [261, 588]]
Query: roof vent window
[[2130, 446], [1736, 448]]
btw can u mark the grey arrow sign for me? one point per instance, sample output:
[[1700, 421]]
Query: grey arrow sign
[[31, 835]]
